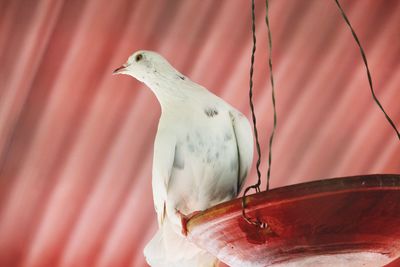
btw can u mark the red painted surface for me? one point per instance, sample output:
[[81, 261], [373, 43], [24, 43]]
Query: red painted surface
[[76, 142], [395, 263], [346, 215]]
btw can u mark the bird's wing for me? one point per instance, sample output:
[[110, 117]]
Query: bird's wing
[[244, 140], [164, 152]]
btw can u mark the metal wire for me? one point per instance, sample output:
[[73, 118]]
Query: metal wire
[[367, 69], [271, 138], [256, 186], [253, 27]]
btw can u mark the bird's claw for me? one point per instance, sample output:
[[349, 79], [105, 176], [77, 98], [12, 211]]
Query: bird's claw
[[184, 220]]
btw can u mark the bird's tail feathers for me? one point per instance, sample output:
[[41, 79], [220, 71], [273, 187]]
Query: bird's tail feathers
[[169, 249]]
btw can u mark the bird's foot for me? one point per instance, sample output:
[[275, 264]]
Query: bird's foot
[[184, 220]]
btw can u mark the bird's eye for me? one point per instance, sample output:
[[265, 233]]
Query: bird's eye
[[138, 57]]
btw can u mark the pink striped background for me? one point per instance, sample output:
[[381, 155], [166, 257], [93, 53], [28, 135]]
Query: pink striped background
[[76, 142]]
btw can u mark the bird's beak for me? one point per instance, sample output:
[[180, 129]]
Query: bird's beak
[[119, 70]]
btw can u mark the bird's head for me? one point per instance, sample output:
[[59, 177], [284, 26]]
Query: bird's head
[[145, 66]]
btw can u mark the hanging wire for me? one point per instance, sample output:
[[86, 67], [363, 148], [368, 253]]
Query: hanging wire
[[256, 186], [271, 138], [367, 68], [253, 51]]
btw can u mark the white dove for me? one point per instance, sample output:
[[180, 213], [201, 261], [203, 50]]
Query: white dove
[[202, 153]]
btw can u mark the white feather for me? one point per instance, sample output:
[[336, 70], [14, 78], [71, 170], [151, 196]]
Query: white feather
[[202, 153]]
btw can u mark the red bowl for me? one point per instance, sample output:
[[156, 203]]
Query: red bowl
[[351, 221]]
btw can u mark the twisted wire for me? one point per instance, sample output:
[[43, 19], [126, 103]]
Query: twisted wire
[[367, 68], [271, 138], [256, 186]]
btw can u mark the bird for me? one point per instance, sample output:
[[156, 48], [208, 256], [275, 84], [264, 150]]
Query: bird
[[203, 151]]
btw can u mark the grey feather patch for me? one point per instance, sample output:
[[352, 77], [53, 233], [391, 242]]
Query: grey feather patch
[[200, 139], [211, 112], [179, 162], [227, 136], [234, 165], [191, 147]]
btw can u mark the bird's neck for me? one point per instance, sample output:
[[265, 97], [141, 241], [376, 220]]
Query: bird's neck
[[170, 93]]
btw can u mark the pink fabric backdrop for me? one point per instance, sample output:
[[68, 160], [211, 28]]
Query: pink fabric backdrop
[[76, 142]]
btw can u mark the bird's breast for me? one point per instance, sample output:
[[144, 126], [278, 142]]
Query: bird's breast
[[205, 167]]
